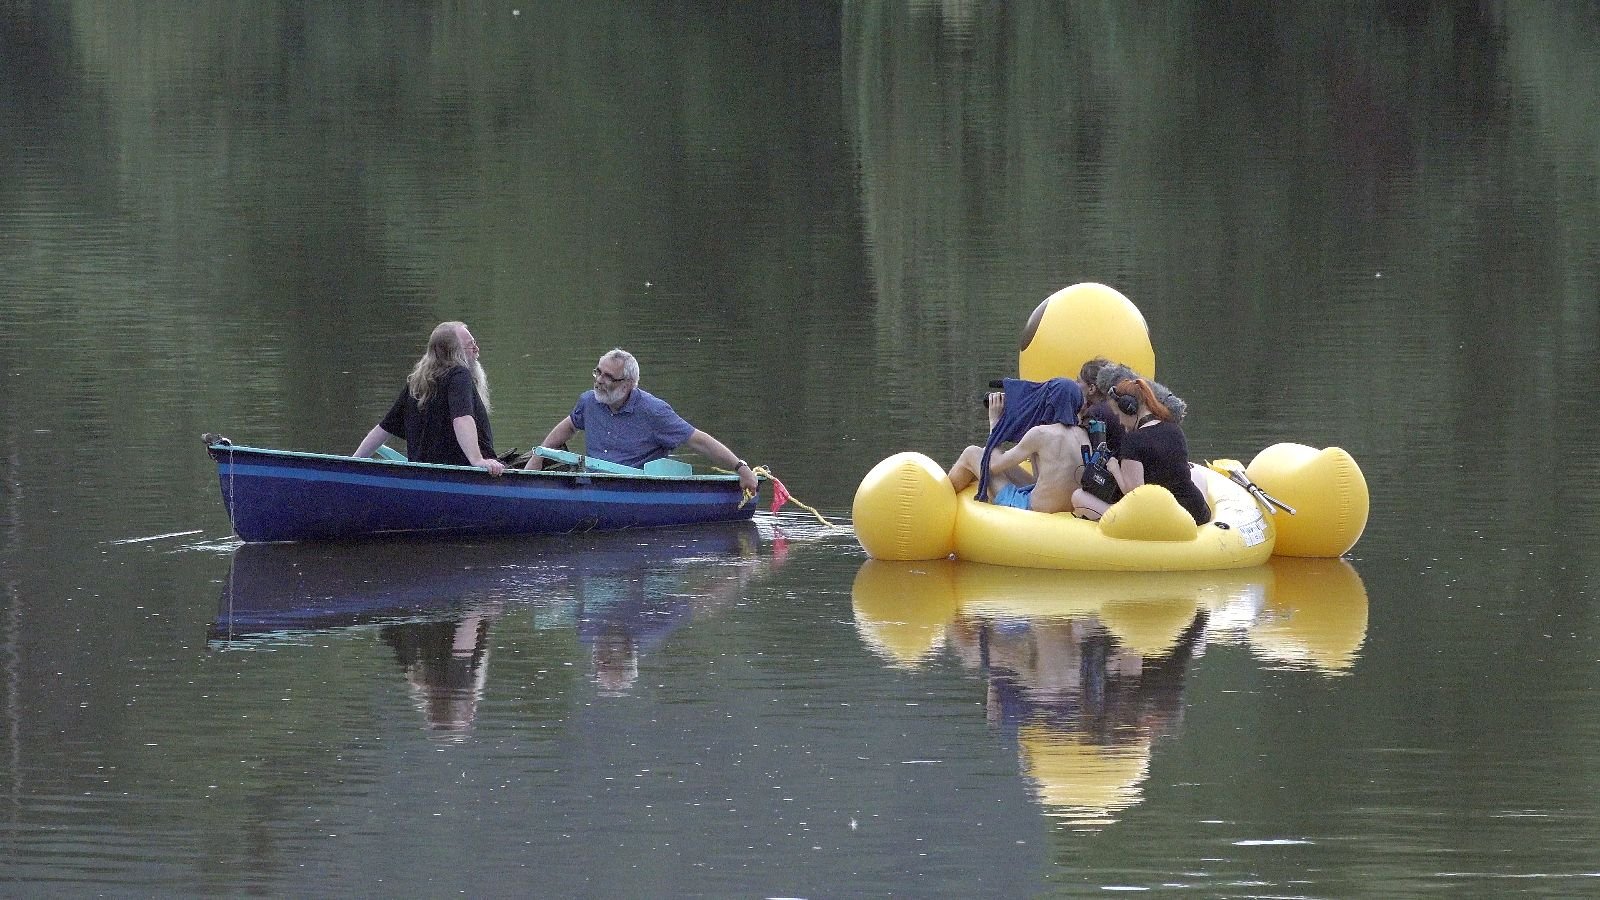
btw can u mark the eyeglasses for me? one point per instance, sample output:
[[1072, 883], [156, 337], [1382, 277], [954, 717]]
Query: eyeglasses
[[607, 377]]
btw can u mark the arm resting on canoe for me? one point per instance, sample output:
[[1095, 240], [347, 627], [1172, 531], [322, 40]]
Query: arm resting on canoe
[[370, 443], [718, 453], [557, 437], [467, 436]]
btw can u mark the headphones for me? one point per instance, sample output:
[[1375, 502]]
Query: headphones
[[1128, 403]]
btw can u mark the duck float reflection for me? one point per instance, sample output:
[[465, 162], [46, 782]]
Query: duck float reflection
[[1291, 500], [1085, 671]]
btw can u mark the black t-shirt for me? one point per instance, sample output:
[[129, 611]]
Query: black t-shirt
[[1165, 455], [430, 437]]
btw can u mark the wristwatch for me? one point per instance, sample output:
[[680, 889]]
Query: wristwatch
[[740, 464]]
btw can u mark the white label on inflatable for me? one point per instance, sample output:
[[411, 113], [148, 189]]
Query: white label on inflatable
[[1253, 533]]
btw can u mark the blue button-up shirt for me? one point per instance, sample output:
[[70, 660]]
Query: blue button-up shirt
[[645, 428]]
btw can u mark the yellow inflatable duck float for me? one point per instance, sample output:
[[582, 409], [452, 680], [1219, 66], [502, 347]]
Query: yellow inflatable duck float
[[906, 508]]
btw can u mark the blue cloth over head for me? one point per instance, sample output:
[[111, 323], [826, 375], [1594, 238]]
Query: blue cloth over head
[[1030, 403]]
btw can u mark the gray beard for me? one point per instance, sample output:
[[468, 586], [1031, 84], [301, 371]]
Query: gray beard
[[480, 380], [611, 396]]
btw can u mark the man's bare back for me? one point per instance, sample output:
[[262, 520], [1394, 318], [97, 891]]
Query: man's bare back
[[1057, 464], [1055, 451]]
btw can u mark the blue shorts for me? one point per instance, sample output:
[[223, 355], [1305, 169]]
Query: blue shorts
[[1013, 496]]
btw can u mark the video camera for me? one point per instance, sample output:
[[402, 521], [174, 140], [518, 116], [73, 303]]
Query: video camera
[[997, 384]]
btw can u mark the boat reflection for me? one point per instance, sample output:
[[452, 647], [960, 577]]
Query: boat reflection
[[1085, 671], [433, 604]]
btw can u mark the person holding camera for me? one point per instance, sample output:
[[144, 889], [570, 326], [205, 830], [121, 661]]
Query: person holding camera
[[1154, 451], [1042, 418], [1099, 408]]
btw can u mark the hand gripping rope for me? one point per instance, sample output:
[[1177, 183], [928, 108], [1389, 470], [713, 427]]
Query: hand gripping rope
[[780, 494]]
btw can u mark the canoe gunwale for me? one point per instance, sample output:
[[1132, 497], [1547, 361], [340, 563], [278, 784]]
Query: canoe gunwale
[[219, 451]]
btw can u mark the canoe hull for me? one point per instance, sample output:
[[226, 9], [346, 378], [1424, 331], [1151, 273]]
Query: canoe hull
[[278, 495]]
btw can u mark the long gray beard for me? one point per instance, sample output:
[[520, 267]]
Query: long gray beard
[[480, 380]]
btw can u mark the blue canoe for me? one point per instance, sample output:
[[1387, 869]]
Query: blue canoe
[[287, 495]]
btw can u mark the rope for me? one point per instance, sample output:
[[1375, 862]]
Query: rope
[[780, 494]]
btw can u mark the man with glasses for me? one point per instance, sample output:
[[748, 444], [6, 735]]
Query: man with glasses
[[625, 424]]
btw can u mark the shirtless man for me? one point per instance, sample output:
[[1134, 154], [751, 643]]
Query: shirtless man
[[1055, 451]]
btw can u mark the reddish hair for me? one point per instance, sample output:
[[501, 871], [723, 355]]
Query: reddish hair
[[1138, 387]]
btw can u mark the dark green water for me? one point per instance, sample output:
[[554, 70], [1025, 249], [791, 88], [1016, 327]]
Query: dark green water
[[821, 228]]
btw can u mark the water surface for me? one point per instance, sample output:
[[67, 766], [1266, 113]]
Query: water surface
[[821, 229]]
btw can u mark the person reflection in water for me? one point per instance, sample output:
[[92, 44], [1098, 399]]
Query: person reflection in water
[[621, 618], [446, 664], [616, 662], [1083, 709]]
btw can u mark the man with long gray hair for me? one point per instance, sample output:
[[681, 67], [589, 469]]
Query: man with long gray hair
[[443, 410]]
